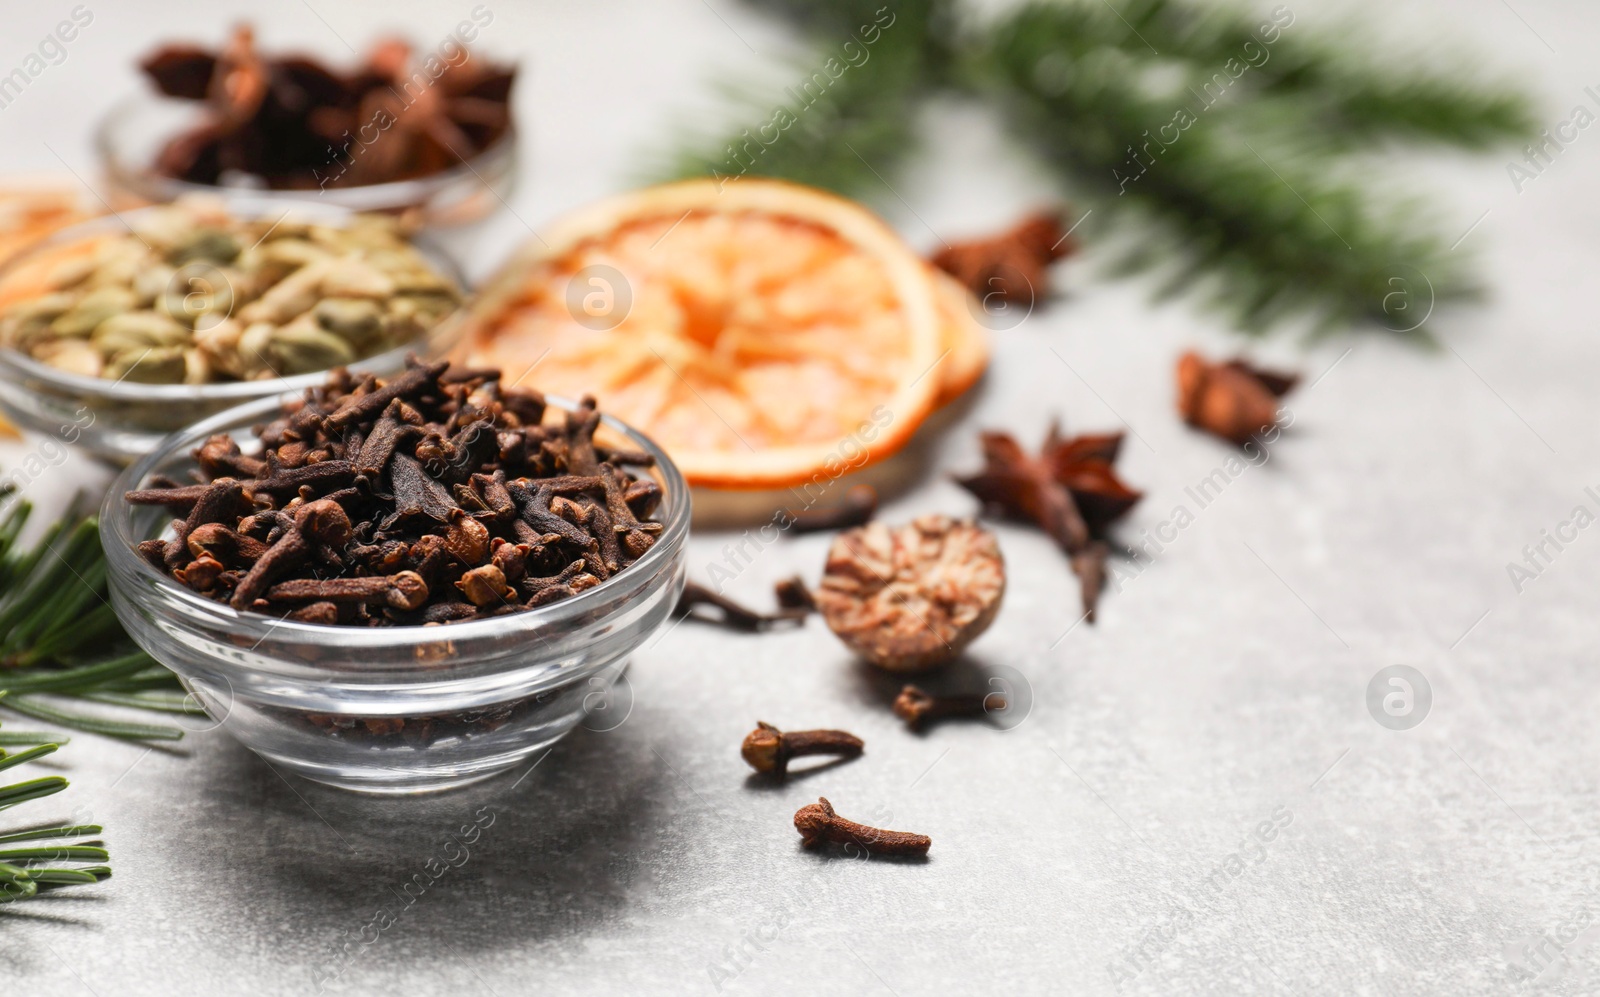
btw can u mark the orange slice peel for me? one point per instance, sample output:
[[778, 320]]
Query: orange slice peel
[[766, 334]]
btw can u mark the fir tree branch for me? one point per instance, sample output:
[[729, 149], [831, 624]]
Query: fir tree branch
[[29, 707], [839, 130], [1245, 206], [1270, 239], [1337, 93], [59, 634], [23, 871]]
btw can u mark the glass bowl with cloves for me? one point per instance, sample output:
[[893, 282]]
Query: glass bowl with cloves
[[120, 330], [399, 584]]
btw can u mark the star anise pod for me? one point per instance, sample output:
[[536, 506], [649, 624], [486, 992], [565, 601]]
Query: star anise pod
[[294, 123], [1070, 490], [1013, 265], [1085, 465], [1231, 400]]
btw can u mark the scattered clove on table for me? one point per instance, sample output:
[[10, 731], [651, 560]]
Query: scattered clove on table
[[916, 706], [819, 824], [793, 593], [768, 750], [729, 613]]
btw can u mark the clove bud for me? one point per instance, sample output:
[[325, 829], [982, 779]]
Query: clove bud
[[916, 706], [768, 749], [819, 824]]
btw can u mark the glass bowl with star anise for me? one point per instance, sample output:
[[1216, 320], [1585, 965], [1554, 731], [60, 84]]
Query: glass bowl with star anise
[[427, 134]]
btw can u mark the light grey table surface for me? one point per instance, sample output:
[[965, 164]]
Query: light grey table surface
[[1224, 686]]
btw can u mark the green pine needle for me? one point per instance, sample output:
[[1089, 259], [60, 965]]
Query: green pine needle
[[830, 129], [59, 634], [53, 831], [33, 789], [10, 759], [1256, 203], [31, 870], [29, 707], [15, 737]]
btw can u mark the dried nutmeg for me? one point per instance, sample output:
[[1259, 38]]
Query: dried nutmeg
[[768, 749], [1232, 400], [912, 597], [818, 824]]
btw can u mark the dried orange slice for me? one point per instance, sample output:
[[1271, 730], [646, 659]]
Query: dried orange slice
[[32, 208], [765, 334], [964, 337]]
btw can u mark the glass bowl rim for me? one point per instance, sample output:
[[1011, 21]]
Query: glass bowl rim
[[116, 537], [248, 208], [390, 194]]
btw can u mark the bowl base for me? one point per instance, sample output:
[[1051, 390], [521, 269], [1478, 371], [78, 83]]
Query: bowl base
[[405, 781]]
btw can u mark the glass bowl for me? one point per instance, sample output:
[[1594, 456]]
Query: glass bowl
[[131, 135], [390, 709], [120, 422]]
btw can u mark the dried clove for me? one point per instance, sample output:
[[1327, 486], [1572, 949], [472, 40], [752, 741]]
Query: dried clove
[[818, 824], [220, 456], [768, 750], [394, 503], [485, 586], [417, 494], [224, 544], [916, 706], [325, 613], [361, 408], [732, 615], [405, 590], [178, 499], [793, 593], [379, 445], [200, 574]]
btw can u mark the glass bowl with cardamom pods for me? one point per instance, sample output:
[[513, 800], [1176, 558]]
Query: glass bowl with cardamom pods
[[368, 654], [120, 330]]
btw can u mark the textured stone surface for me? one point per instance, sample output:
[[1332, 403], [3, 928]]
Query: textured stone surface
[[1224, 686]]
